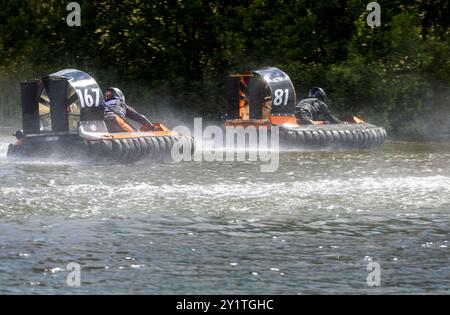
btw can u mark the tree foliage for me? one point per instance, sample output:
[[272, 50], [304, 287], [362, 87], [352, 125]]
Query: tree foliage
[[178, 52]]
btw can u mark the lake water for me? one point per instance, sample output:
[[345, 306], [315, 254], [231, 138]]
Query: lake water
[[227, 228]]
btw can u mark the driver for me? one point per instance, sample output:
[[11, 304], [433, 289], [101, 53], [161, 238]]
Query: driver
[[313, 107], [116, 110]]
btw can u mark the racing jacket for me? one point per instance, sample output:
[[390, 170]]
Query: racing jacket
[[311, 109], [116, 107]]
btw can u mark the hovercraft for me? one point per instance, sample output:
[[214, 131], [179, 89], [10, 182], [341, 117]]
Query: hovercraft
[[63, 117], [266, 98]]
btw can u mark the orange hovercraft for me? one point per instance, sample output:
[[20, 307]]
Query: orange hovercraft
[[266, 97]]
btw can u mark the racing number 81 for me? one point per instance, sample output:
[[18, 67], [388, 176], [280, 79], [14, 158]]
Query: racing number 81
[[281, 97], [87, 99]]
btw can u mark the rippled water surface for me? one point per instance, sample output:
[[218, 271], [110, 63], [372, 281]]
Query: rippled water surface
[[226, 228]]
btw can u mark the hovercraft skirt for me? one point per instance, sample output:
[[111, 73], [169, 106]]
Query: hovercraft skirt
[[332, 136], [156, 148], [134, 149]]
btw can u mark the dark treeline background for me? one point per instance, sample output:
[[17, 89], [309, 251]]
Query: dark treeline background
[[171, 57]]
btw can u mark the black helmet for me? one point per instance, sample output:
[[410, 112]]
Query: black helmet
[[114, 93], [317, 92], [18, 134]]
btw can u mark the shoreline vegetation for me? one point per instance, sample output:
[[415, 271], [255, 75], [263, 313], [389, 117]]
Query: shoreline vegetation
[[171, 58]]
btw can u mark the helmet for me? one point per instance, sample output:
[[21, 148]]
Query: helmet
[[317, 92], [114, 93], [18, 134]]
